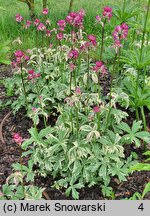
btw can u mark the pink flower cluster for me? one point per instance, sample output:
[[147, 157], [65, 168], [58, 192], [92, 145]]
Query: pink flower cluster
[[72, 67], [76, 18], [107, 14], [61, 24], [91, 43], [73, 54], [20, 58], [96, 109], [19, 18], [41, 27], [37, 22], [60, 36], [17, 138], [99, 66], [28, 24], [92, 39], [78, 91], [33, 75], [45, 11], [120, 33]]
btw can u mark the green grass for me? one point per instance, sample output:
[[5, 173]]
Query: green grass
[[9, 29]]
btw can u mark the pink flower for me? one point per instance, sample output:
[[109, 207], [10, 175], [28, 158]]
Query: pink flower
[[45, 11], [14, 64], [48, 22], [61, 24], [78, 91], [37, 22], [41, 27], [72, 67], [69, 102], [96, 109], [98, 18], [17, 138], [37, 75], [73, 54], [76, 19], [48, 33], [20, 57], [99, 66], [31, 72], [82, 12], [92, 39], [33, 75], [34, 109], [120, 33], [60, 36], [107, 13], [85, 46], [27, 58], [19, 18], [28, 23], [19, 54], [29, 51]]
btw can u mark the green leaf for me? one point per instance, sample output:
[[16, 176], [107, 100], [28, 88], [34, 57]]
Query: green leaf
[[45, 131], [125, 127], [86, 128], [75, 193], [136, 126], [146, 189], [26, 143]]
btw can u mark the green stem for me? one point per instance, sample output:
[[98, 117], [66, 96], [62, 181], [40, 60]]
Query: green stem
[[144, 119], [77, 120], [24, 89], [88, 76], [22, 183], [75, 79], [44, 118], [145, 124], [144, 30], [98, 121], [137, 114], [102, 41], [42, 39], [70, 81], [71, 119], [136, 96], [110, 95], [99, 88]]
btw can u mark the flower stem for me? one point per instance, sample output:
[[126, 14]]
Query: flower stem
[[144, 30], [98, 121], [110, 95], [77, 120], [22, 183], [24, 89], [71, 119], [88, 69], [102, 41], [70, 81], [145, 125]]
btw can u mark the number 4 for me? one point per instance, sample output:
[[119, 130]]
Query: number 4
[[141, 207]]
